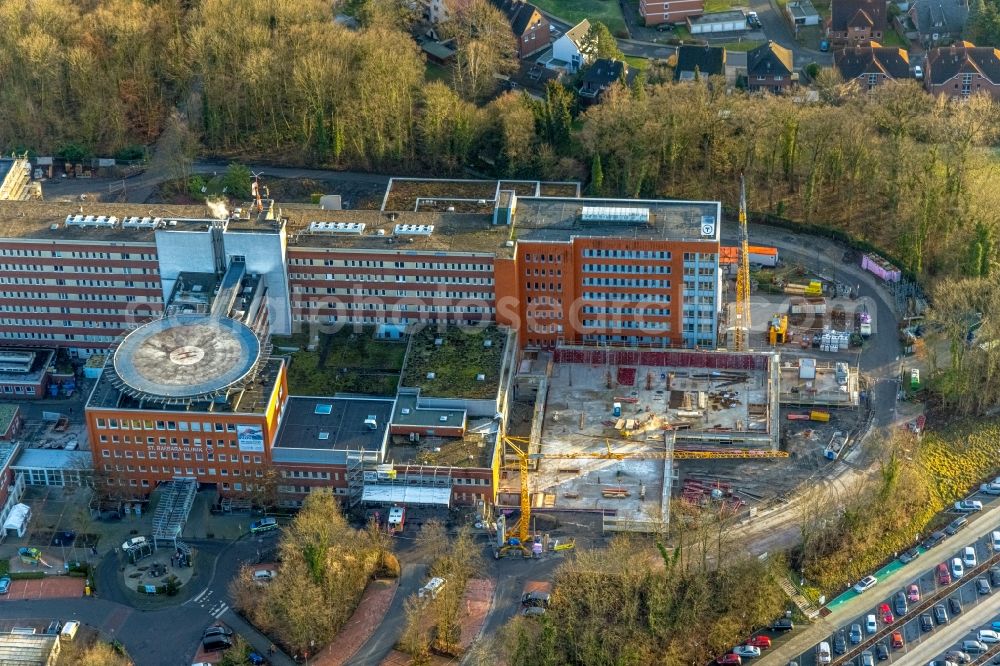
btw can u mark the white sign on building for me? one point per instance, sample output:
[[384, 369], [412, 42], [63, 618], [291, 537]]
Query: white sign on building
[[250, 438]]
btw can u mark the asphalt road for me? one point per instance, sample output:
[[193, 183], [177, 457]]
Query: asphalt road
[[799, 645], [382, 641]]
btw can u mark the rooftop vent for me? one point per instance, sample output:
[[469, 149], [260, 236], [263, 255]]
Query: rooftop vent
[[405, 411], [336, 227], [91, 221], [324, 435], [140, 222], [324, 408], [614, 214], [413, 229], [371, 422], [443, 418]]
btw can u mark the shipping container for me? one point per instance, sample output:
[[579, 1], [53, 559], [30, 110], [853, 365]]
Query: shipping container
[[819, 416]]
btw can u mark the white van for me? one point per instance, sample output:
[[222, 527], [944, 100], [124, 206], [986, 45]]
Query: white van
[[69, 630], [823, 653], [432, 588]]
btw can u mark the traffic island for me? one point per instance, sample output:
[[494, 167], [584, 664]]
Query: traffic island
[[163, 571]]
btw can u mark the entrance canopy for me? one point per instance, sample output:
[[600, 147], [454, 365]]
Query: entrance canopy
[[411, 495]]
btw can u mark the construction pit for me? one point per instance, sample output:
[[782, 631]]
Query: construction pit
[[705, 412]]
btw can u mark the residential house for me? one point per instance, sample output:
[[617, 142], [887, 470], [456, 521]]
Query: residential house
[[569, 52], [699, 61], [600, 76], [962, 70], [855, 22], [439, 11], [531, 28], [937, 22], [802, 13], [770, 68], [873, 65], [656, 12]]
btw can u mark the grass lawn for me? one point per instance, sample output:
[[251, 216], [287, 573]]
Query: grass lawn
[[682, 32], [635, 62], [456, 362], [893, 38], [344, 362], [745, 45], [718, 5], [607, 12]]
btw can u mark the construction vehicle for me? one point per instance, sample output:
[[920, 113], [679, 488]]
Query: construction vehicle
[[517, 540], [777, 330], [864, 320]]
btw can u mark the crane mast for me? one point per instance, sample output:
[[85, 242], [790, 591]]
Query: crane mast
[[741, 331]]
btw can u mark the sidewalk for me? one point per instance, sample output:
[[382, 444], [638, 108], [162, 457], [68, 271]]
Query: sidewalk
[[802, 641]]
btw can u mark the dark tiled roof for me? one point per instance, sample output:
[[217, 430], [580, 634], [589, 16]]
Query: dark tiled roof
[[939, 16], [518, 13], [874, 59], [709, 60], [769, 60], [845, 14], [963, 58], [603, 73]]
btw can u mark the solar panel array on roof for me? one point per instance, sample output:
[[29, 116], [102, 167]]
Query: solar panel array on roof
[[614, 214]]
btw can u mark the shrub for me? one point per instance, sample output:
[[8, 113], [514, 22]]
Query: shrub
[[27, 575]]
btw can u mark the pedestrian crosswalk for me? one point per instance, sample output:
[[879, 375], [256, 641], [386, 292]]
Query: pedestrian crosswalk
[[218, 611], [206, 600]]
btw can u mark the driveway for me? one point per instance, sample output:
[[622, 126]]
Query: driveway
[[380, 644]]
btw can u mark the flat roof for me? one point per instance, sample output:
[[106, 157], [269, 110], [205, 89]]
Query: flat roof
[[407, 413], [719, 17], [400, 494], [53, 459], [40, 362], [333, 424]]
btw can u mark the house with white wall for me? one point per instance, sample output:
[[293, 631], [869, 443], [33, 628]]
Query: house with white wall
[[569, 52]]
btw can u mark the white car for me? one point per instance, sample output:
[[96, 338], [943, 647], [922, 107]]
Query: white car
[[918, 72], [995, 541], [866, 583], [871, 626], [988, 636], [957, 570], [746, 651], [969, 557], [992, 488], [968, 506]]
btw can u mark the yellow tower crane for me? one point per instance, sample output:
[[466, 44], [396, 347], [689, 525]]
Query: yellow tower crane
[[741, 331], [516, 537]]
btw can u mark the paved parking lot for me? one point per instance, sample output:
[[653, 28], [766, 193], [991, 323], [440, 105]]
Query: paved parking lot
[[50, 587]]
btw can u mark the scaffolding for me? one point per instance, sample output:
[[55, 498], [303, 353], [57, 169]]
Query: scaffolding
[[172, 511]]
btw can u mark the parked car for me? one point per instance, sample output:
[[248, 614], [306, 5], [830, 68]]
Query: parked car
[[958, 657], [823, 653], [969, 557], [926, 622], [957, 570], [909, 556], [867, 658], [956, 525], [995, 541], [897, 640], [730, 659], [783, 624], [824, 45], [994, 576], [881, 651], [216, 630], [983, 586], [886, 614], [536, 599], [940, 614], [913, 592], [762, 642], [943, 575], [533, 611], [991, 488], [934, 539], [840, 642], [974, 647], [263, 525], [900, 604], [5, 585], [954, 605], [264, 576], [968, 506], [866, 583], [856, 634], [989, 636], [870, 625], [216, 643], [744, 651]]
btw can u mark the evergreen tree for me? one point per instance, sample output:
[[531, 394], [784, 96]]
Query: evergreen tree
[[596, 175]]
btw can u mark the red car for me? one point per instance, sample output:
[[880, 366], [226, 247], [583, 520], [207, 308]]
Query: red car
[[913, 593], [886, 614], [730, 659], [762, 642], [897, 640]]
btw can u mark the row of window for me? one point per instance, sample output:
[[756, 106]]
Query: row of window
[[18, 389], [134, 483], [398, 279], [182, 426], [365, 263], [623, 296], [8, 252], [66, 323], [594, 309], [70, 268], [61, 282], [393, 307], [175, 455], [661, 269], [544, 258], [699, 256], [626, 254], [47, 309], [627, 323], [400, 293], [23, 335], [85, 296], [645, 283]]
